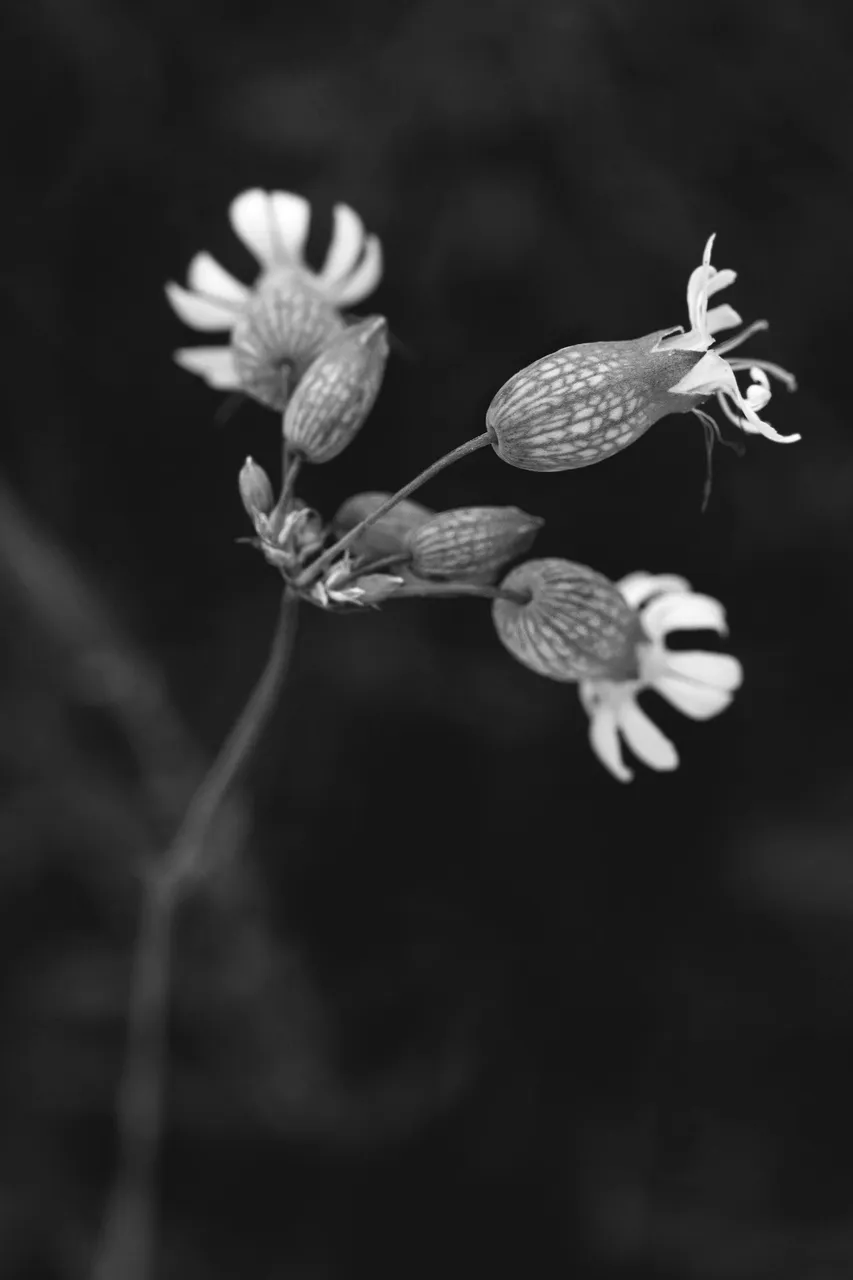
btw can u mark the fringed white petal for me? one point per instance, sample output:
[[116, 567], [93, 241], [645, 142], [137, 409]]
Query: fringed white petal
[[719, 670], [645, 738], [363, 280], [639, 587], [345, 248], [206, 276], [698, 701], [199, 312], [214, 364], [682, 612], [722, 317]]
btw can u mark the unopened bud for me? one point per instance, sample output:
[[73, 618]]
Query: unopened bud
[[575, 625], [579, 405], [471, 541], [255, 489], [337, 392], [283, 328], [388, 535]]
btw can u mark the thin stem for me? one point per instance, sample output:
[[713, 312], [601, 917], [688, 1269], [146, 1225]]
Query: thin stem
[[290, 464], [125, 1249], [482, 590], [322, 562]]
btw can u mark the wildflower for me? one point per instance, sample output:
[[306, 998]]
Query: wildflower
[[698, 684], [331, 403], [611, 639], [581, 404], [387, 536], [470, 541], [280, 323]]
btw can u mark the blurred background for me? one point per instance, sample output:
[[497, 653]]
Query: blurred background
[[458, 1003]]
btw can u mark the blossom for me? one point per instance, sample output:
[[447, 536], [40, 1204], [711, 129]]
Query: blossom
[[290, 311], [581, 404], [712, 374], [697, 683]]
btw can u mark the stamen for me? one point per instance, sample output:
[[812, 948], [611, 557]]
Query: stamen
[[712, 433], [778, 372], [757, 326], [729, 412]]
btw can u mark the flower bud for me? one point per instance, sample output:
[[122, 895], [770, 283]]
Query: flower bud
[[575, 625], [255, 489], [282, 329], [471, 541], [584, 403], [337, 392], [390, 532]]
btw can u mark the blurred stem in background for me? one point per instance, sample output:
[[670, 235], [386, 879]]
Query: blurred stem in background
[[126, 1247]]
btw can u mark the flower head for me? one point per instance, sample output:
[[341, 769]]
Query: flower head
[[697, 683], [610, 638], [581, 404], [281, 322]]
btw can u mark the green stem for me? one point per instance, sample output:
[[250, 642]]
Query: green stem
[[125, 1249], [322, 562]]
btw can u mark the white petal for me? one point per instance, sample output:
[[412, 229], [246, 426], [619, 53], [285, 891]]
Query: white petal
[[721, 280], [214, 364], [199, 312], [698, 701], [273, 226], [645, 738], [638, 587], [363, 280], [292, 219], [719, 670], [672, 612], [722, 317], [707, 375], [604, 740], [250, 215], [206, 276], [697, 286], [346, 246]]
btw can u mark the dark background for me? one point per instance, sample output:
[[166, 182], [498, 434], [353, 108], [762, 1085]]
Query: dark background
[[460, 1004]]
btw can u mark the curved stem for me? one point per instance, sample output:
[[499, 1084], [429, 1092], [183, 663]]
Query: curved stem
[[125, 1248], [482, 590], [314, 570], [290, 464]]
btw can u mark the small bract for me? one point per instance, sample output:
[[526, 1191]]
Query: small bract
[[581, 404]]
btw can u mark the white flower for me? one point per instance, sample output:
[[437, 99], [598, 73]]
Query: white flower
[[698, 684], [274, 227], [712, 374]]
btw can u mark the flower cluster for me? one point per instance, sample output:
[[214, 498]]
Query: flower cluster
[[293, 349]]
